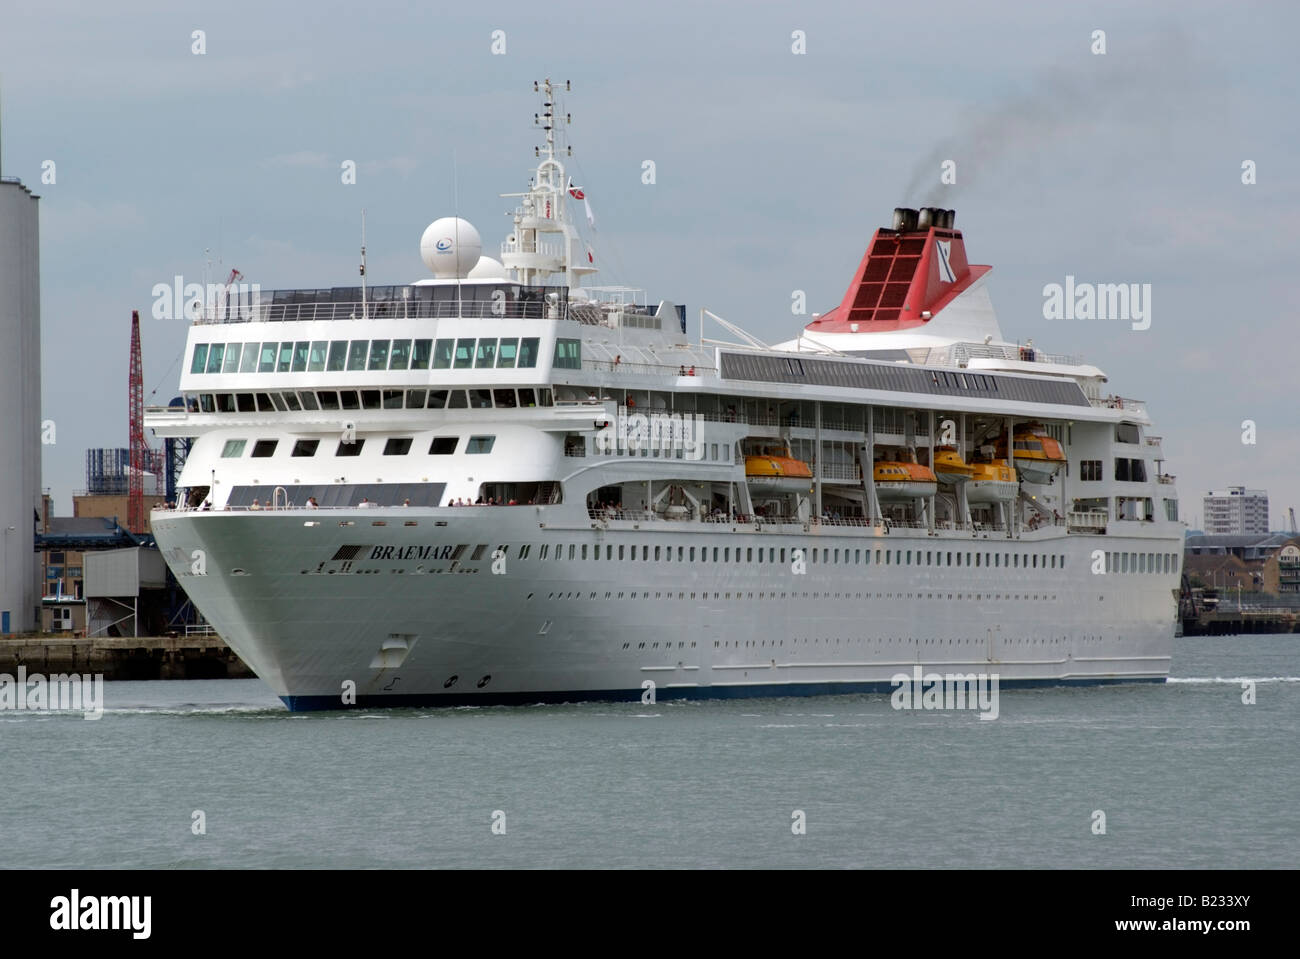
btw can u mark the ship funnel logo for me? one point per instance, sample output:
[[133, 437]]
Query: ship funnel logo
[[443, 245], [945, 268]]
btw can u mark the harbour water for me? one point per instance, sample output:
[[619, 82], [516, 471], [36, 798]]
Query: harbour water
[[1185, 773]]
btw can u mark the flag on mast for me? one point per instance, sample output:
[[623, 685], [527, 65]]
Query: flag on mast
[[591, 219], [574, 192], [591, 255]]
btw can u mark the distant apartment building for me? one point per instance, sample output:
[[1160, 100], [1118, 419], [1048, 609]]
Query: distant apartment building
[[1236, 511]]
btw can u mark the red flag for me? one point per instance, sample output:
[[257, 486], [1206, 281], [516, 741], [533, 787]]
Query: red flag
[[574, 192]]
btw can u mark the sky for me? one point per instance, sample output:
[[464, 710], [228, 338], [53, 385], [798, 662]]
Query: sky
[[782, 136]]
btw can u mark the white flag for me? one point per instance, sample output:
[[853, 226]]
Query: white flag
[[591, 219]]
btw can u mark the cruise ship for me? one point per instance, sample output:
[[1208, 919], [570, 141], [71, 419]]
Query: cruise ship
[[505, 483]]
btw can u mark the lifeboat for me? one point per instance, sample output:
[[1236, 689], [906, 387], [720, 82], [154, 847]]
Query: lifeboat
[[779, 472], [896, 481], [993, 482], [1037, 456], [949, 467]]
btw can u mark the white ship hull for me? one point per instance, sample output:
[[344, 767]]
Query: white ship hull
[[314, 627]]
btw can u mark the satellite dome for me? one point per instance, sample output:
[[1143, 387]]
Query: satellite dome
[[488, 269], [450, 247]]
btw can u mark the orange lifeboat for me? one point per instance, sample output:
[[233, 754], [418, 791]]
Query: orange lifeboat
[[896, 481], [778, 472], [993, 482]]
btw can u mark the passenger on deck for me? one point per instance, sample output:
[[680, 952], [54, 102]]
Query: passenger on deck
[[365, 503], [406, 502], [311, 503]]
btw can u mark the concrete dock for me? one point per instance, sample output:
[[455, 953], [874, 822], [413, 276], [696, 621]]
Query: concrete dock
[[152, 657]]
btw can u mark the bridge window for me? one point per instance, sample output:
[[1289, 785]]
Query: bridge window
[[487, 354], [300, 351], [420, 352], [480, 444], [397, 446], [305, 448], [285, 363], [233, 448], [464, 355], [233, 351], [480, 399], [248, 364], [316, 361], [357, 352], [265, 448], [199, 363], [379, 355], [568, 354], [437, 399], [527, 397], [457, 400], [338, 356], [528, 350], [507, 353], [442, 353], [400, 355]]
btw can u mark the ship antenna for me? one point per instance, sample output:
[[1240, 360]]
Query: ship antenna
[[363, 264], [455, 223]]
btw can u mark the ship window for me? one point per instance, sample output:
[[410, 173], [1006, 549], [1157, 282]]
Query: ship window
[[544, 397], [370, 399], [338, 356], [397, 446], [1090, 471], [505, 399], [487, 354], [420, 352], [393, 399], [357, 352], [348, 400], [266, 362], [279, 402], [442, 351], [329, 400], [233, 351], [300, 356], [415, 399], [400, 356], [480, 399], [528, 349], [291, 401], [1171, 510], [264, 404], [308, 400], [265, 448], [245, 403], [527, 397], [464, 355], [443, 445], [507, 354], [349, 449], [457, 400], [480, 444], [437, 399], [198, 364], [316, 361], [379, 355], [1126, 433], [233, 448], [285, 362], [568, 354], [305, 448], [249, 362]]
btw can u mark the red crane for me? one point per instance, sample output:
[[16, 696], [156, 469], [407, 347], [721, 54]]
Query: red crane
[[139, 451]]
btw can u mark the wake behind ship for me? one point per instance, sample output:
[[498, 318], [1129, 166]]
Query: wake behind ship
[[505, 484]]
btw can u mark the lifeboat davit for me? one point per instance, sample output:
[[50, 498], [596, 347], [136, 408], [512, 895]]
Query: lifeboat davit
[[1037, 456], [993, 482], [950, 468], [896, 481], [778, 472]]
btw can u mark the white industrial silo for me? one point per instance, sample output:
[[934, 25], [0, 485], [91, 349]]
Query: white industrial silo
[[20, 404]]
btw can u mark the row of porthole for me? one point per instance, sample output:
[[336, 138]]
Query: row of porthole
[[929, 642], [980, 597]]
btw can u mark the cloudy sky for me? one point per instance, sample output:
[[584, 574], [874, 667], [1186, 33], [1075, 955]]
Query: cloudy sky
[[772, 169]]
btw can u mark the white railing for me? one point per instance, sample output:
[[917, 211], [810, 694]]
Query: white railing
[[1120, 403]]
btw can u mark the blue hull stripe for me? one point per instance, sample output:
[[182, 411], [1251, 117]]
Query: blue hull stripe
[[300, 704]]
